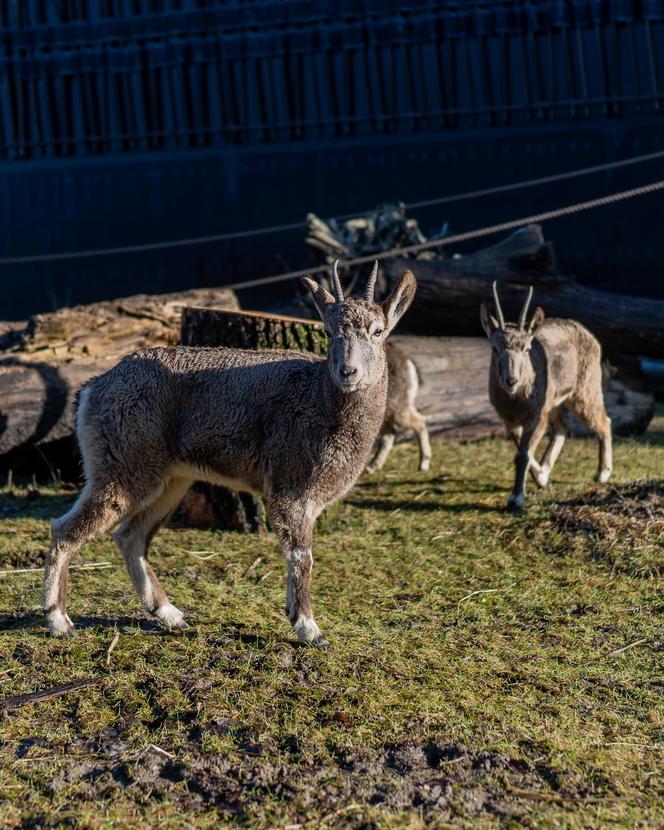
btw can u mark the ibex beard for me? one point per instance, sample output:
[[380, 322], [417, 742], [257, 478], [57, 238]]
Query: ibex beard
[[295, 428]]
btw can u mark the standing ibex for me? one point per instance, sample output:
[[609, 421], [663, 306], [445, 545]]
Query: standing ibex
[[400, 412], [537, 369], [296, 428]]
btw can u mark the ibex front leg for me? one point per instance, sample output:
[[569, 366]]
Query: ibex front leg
[[294, 525], [530, 438], [535, 469]]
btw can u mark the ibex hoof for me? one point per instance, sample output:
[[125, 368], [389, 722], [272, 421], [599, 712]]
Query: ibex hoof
[[542, 477], [308, 632], [60, 625], [170, 617], [603, 476], [425, 464], [371, 468], [515, 502]]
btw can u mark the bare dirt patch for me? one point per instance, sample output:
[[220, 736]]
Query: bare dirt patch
[[434, 777]]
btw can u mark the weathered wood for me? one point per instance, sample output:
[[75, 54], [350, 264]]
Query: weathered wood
[[449, 293], [44, 362], [206, 505], [454, 398]]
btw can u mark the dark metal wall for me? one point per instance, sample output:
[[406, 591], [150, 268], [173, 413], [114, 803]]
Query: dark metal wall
[[132, 121], [98, 203], [114, 76]]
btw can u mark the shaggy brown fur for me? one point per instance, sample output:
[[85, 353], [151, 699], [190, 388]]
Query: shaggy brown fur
[[537, 370], [293, 427], [401, 413]]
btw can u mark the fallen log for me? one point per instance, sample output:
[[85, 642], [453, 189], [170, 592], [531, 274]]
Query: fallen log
[[450, 291], [44, 362]]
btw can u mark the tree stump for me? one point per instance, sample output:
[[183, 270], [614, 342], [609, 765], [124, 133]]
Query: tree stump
[[207, 505], [251, 330]]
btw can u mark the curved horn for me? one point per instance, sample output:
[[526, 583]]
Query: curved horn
[[499, 310], [524, 310], [371, 283], [336, 282]]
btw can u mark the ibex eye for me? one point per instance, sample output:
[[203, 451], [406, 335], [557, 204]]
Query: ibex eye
[[377, 332]]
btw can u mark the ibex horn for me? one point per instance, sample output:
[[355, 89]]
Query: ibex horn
[[524, 310], [371, 283], [338, 290], [499, 311]]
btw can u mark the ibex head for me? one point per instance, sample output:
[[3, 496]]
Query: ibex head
[[358, 328], [511, 342]]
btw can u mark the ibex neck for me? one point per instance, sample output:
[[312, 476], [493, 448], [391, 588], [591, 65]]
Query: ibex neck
[[359, 413]]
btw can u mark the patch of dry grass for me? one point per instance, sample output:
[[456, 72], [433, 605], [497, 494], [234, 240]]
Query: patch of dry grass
[[487, 670], [620, 524]]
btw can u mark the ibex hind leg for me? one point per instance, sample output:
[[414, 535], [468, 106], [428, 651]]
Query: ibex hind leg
[[96, 511], [385, 444], [600, 423], [133, 537], [589, 407], [416, 422]]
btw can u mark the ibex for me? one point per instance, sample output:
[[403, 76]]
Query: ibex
[[539, 368], [400, 412], [295, 428]]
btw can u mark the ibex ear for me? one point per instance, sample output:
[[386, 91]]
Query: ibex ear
[[536, 320], [399, 300], [321, 297], [489, 322]]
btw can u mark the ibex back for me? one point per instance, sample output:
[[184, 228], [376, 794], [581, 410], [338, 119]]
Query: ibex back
[[539, 368], [290, 426]]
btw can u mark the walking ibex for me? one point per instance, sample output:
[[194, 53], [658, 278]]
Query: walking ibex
[[537, 369], [400, 412], [291, 426]]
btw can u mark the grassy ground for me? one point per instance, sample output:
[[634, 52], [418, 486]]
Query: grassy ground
[[478, 675]]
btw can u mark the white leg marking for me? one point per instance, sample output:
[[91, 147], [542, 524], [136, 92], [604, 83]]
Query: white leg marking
[[604, 475], [170, 617], [542, 477], [307, 631], [59, 624]]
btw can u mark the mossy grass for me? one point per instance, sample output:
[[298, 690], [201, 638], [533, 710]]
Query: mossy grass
[[486, 670]]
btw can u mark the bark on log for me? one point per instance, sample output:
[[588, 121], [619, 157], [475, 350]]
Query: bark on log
[[207, 505], [450, 291], [251, 330], [44, 362], [454, 398]]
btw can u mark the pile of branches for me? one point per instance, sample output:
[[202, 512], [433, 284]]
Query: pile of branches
[[385, 228]]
